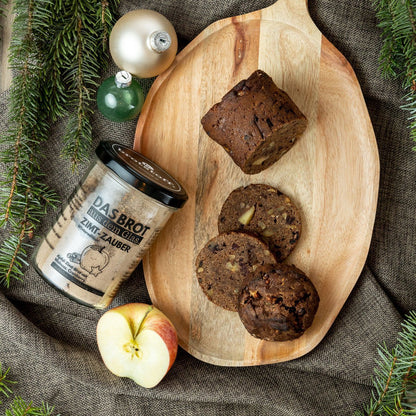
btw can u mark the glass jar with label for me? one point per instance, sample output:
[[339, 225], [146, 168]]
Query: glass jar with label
[[108, 224]]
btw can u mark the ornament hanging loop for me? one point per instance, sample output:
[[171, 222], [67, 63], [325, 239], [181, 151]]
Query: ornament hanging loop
[[160, 41]]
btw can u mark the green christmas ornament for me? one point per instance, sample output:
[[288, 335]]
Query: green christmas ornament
[[120, 98]]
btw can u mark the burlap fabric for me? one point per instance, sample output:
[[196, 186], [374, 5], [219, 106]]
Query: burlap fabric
[[49, 341]]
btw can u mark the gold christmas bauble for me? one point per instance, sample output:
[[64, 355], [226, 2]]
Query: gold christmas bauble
[[144, 43]]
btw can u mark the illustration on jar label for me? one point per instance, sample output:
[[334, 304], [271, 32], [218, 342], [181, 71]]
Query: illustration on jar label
[[93, 259]]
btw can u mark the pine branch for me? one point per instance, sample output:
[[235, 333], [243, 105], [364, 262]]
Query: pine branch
[[58, 51], [5, 383], [23, 194], [397, 19], [395, 375], [106, 14], [78, 137], [51, 43], [20, 407], [75, 59], [3, 5]]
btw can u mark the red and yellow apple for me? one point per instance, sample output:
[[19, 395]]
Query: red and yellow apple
[[137, 341]]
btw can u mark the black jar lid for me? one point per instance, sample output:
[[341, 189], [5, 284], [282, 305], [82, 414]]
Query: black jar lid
[[142, 173]]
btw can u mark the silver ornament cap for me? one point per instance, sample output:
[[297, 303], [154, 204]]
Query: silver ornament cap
[[123, 79], [160, 41]]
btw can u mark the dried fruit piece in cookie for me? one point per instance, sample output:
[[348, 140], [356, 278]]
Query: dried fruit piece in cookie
[[278, 303], [265, 211], [224, 263]]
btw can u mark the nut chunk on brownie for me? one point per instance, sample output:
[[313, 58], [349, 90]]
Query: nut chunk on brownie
[[278, 303], [255, 122], [225, 262]]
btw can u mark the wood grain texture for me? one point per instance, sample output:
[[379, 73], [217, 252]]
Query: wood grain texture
[[331, 173]]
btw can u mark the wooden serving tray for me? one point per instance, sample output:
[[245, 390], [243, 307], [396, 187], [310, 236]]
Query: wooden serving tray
[[331, 173]]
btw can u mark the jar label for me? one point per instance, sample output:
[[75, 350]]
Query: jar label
[[99, 239]]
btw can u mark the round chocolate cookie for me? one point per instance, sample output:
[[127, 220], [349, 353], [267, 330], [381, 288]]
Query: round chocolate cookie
[[278, 303], [224, 263], [265, 211]]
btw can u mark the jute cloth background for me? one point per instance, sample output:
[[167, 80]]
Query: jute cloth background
[[49, 341]]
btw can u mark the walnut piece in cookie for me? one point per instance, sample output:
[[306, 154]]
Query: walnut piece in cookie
[[278, 303], [225, 261]]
